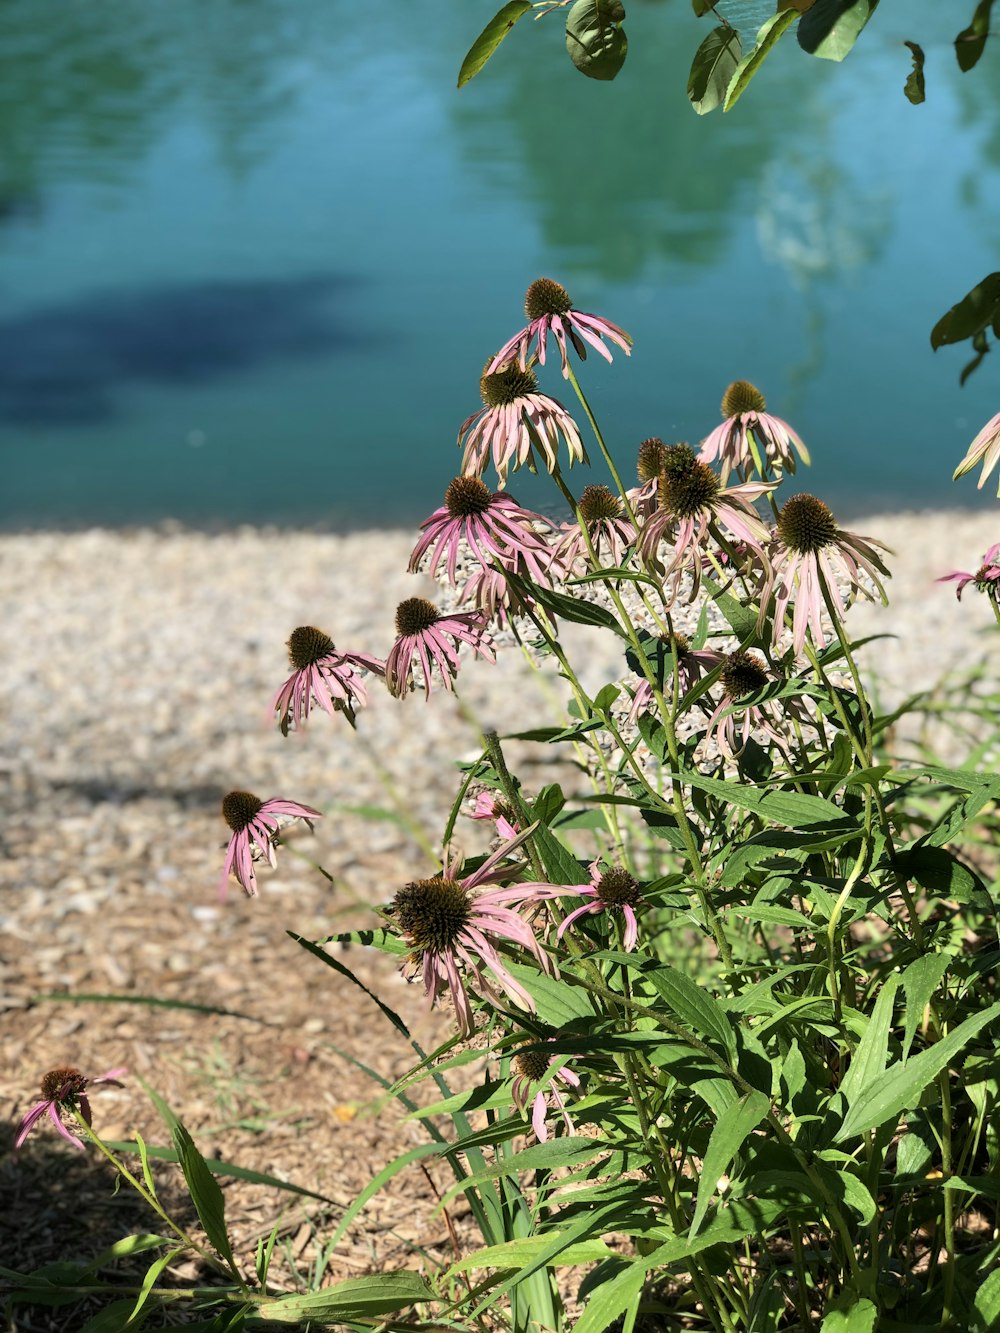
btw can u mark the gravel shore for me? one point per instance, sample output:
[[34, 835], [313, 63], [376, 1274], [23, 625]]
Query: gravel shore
[[140, 665]]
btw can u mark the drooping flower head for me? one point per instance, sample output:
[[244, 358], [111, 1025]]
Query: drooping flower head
[[811, 552], [254, 824], [550, 310], [689, 663], [321, 675], [750, 437], [517, 425], [611, 890], [985, 449], [530, 1068], [610, 531], [64, 1090], [691, 500], [492, 592], [491, 806], [492, 527], [430, 638], [743, 675], [986, 578], [453, 926]]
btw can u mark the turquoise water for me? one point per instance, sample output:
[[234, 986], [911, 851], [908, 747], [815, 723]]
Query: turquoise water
[[254, 253]]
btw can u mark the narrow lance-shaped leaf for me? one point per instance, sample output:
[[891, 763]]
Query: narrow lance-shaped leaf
[[914, 85], [731, 1131], [490, 38], [595, 40], [973, 314], [767, 37], [713, 67]]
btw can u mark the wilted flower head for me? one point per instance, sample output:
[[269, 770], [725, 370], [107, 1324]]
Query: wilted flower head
[[549, 309], [515, 422], [254, 824], [531, 1067], [810, 552], [492, 526], [691, 501], [491, 806], [431, 637], [610, 890], [745, 424], [452, 926], [610, 531], [985, 449], [674, 653], [743, 674], [64, 1090], [323, 675], [986, 578], [492, 592]]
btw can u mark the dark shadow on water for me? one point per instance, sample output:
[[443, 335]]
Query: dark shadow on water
[[68, 365]]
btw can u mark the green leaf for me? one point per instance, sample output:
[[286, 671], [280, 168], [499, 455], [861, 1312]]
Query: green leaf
[[869, 1059], [849, 1314], [971, 41], [914, 85], [973, 314], [490, 38], [940, 873], [713, 67], [219, 1168], [790, 808], [557, 1003], [702, 7], [920, 981], [596, 42], [731, 1131], [986, 1304], [559, 1152], [357, 1298], [767, 37], [829, 28], [519, 1253], [569, 608], [152, 1273], [903, 1083], [205, 1193], [696, 1007]]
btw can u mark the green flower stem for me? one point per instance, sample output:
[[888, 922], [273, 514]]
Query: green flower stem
[[491, 745], [208, 1255], [949, 1200], [603, 447], [398, 804], [860, 865]]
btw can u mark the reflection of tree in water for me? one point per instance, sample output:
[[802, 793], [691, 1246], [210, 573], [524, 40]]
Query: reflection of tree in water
[[626, 173], [89, 87], [979, 119]]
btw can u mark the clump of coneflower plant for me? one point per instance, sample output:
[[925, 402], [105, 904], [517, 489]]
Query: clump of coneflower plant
[[734, 993]]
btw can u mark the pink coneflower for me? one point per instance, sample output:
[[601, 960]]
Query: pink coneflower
[[254, 824], [452, 926], [614, 891], [691, 502], [746, 424], [986, 578], [610, 531], [491, 806], [811, 552], [431, 638], [674, 652], [743, 675], [64, 1090], [549, 309], [531, 1067], [321, 675], [492, 526], [985, 449], [515, 422]]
